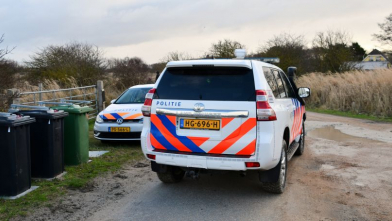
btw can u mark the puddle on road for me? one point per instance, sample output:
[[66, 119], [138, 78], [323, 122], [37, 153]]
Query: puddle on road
[[331, 133]]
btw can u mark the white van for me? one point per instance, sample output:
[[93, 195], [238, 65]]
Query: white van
[[223, 114]]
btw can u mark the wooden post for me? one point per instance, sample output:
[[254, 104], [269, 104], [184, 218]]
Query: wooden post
[[40, 89], [100, 96]]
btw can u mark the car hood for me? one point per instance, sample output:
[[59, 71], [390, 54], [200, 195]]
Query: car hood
[[124, 111]]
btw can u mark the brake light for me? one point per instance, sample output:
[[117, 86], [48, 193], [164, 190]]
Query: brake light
[[146, 108], [151, 156], [263, 109], [252, 164]]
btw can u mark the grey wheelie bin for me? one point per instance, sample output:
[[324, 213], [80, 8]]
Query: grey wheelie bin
[[15, 176]]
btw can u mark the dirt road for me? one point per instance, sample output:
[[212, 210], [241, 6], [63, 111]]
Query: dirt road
[[345, 174]]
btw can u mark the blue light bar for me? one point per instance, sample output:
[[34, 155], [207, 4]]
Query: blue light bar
[[267, 60]]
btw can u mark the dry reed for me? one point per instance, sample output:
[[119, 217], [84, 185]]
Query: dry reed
[[365, 92]]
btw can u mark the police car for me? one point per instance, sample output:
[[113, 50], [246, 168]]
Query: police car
[[123, 119], [224, 115]]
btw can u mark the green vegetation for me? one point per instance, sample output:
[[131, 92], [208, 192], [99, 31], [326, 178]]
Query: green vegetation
[[77, 177], [350, 114]]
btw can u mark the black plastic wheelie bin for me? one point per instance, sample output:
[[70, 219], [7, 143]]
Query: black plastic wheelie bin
[[46, 142], [15, 177]]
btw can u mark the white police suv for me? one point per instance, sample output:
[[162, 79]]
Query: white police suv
[[224, 114], [123, 119]]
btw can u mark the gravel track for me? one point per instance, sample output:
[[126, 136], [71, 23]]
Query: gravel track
[[344, 174]]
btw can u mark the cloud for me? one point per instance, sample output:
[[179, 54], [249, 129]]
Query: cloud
[[123, 26]]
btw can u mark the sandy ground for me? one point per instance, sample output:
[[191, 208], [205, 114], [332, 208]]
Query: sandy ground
[[344, 174]]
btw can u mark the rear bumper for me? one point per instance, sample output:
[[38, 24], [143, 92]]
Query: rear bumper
[[117, 136], [209, 162], [213, 163], [264, 155]]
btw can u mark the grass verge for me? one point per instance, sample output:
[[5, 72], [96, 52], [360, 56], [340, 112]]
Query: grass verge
[[77, 177], [350, 114]]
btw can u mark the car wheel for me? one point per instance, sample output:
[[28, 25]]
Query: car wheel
[[172, 175], [281, 168], [301, 147]]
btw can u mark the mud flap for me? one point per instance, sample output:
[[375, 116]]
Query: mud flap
[[270, 176]]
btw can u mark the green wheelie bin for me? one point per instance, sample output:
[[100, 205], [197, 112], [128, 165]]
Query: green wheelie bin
[[76, 134]]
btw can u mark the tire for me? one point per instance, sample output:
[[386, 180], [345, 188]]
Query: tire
[[172, 175], [280, 185], [301, 147], [105, 141]]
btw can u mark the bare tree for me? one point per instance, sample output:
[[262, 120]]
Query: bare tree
[[225, 48], [385, 35], [176, 56], [331, 51], [6, 50], [290, 49], [8, 68], [130, 71]]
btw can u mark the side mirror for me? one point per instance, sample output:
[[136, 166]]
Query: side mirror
[[304, 92], [112, 101]]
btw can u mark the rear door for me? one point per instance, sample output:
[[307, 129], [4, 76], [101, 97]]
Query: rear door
[[282, 104], [296, 110], [205, 110]]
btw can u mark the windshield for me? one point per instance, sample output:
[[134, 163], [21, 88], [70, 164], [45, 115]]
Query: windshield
[[215, 83], [133, 96]]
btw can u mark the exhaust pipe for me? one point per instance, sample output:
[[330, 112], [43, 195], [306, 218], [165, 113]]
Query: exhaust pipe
[[194, 174]]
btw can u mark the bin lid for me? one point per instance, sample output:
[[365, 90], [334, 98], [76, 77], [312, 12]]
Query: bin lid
[[13, 120], [44, 114], [73, 109]]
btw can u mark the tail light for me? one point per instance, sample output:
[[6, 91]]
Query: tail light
[[146, 108], [264, 110], [151, 156], [252, 164]]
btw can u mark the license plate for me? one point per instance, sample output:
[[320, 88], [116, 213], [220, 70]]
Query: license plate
[[199, 124], [119, 129]]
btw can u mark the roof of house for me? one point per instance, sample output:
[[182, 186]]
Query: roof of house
[[377, 52]]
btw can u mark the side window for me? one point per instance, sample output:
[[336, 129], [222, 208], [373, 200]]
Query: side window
[[271, 81], [287, 85], [282, 92]]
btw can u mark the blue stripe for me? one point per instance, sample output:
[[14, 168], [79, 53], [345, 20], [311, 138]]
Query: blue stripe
[[116, 116], [184, 140], [103, 117], [161, 139]]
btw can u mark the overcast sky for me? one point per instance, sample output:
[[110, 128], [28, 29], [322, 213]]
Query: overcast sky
[[150, 29]]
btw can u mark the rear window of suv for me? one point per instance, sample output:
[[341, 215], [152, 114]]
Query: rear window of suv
[[207, 83]]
